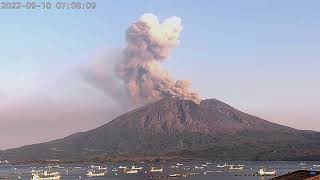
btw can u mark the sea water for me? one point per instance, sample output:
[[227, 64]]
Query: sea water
[[208, 172]]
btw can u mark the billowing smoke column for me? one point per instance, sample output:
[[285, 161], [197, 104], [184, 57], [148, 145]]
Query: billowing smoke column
[[135, 76], [148, 43]]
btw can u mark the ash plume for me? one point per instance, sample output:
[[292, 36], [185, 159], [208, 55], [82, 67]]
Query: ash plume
[[142, 78]]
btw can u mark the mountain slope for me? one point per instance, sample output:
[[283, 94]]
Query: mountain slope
[[172, 127]]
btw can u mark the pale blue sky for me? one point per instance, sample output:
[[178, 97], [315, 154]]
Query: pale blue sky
[[259, 56]]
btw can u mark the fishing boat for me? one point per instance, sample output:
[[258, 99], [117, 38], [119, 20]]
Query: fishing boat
[[175, 175], [46, 176], [198, 167], [114, 170], [302, 164], [220, 166], [263, 172], [208, 172], [94, 166], [94, 174], [57, 166], [102, 168], [236, 168], [136, 168], [186, 168], [154, 169], [131, 171]]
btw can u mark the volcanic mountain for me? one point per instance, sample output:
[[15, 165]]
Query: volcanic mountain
[[181, 128]]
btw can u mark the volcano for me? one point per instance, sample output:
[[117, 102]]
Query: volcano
[[181, 128]]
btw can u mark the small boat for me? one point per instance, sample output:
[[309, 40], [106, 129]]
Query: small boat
[[204, 165], [136, 168], [175, 175], [236, 168], [57, 166], [102, 168], [131, 171], [123, 167], [263, 172], [174, 167], [302, 164], [228, 165], [179, 164], [93, 166], [208, 172], [186, 168], [220, 166], [114, 170], [198, 167], [153, 169], [316, 165], [94, 174], [46, 176]]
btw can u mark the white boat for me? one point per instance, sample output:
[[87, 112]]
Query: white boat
[[316, 165], [46, 176], [220, 166], [228, 165], [175, 175], [132, 171], [50, 174], [208, 172], [57, 166], [174, 167], [114, 170], [198, 167], [94, 174], [263, 172], [179, 164], [123, 167], [302, 164], [93, 166], [186, 168], [153, 169], [204, 165], [136, 168], [236, 168]]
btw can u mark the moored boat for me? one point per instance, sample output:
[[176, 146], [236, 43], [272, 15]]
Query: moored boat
[[46, 176], [132, 171], [94, 174], [236, 168], [263, 172], [136, 168], [154, 169]]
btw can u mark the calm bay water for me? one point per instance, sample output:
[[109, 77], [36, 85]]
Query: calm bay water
[[209, 171]]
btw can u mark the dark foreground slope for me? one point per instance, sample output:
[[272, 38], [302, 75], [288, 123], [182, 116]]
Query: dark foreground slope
[[181, 128]]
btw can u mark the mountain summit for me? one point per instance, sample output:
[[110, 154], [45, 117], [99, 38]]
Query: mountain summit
[[181, 128]]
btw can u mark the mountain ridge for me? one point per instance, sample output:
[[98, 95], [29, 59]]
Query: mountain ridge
[[181, 128]]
